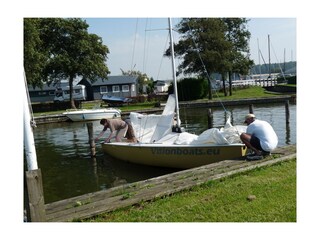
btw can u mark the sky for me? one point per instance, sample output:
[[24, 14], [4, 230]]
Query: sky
[[139, 43]]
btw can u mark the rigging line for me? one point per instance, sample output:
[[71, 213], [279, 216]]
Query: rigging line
[[145, 48], [134, 44], [165, 47], [205, 69], [278, 62]]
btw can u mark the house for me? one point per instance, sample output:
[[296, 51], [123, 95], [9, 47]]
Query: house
[[162, 86], [118, 86], [47, 93]]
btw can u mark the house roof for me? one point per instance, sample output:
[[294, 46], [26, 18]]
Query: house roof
[[112, 80]]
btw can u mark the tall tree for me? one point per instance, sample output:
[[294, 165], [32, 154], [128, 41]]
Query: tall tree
[[35, 54], [202, 47], [212, 45], [238, 35], [71, 51]]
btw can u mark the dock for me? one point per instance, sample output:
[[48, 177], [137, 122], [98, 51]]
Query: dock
[[92, 204]]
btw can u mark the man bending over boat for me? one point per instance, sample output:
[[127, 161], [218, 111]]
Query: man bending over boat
[[117, 127], [259, 137]]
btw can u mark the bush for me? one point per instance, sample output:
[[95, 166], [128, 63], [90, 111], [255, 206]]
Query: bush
[[191, 89]]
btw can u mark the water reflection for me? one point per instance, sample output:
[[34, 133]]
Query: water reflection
[[68, 170]]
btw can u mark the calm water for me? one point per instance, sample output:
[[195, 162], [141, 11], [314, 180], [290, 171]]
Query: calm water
[[68, 170]]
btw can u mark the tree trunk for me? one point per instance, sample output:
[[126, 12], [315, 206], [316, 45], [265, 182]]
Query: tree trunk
[[72, 105], [224, 85], [230, 83], [209, 89]]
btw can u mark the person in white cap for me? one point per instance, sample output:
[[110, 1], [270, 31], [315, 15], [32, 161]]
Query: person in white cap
[[259, 137]]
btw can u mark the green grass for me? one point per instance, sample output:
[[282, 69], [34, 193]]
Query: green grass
[[250, 92], [239, 93], [272, 189]]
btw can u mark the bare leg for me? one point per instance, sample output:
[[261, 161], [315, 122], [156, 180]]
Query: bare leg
[[245, 138]]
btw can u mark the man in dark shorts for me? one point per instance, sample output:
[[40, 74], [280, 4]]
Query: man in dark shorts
[[259, 137]]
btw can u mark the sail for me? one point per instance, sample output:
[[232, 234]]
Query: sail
[[165, 122], [150, 128]]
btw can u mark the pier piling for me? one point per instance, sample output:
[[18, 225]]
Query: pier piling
[[287, 112], [251, 108], [91, 139], [210, 118]]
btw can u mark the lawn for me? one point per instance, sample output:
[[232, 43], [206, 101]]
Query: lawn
[[263, 195]]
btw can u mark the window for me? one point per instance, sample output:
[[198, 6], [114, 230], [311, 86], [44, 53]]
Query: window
[[116, 88], [133, 88], [125, 88], [103, 89]]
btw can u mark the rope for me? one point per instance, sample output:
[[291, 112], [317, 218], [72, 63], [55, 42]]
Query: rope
[[205, 69], [134, 45]]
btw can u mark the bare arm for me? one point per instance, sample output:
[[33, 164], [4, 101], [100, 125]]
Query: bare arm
[[99, 136]]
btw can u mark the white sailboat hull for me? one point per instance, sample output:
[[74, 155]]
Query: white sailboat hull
[[173, 156], [94, 114]]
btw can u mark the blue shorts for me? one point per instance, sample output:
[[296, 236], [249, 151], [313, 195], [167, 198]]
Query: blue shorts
[[255, 142]]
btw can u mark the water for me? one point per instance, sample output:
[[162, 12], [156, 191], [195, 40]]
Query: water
[[68, 170]]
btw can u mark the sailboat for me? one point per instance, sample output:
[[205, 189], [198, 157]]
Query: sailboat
[[163, 143]]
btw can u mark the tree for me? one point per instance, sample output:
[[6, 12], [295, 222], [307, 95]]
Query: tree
[[211, 45], [70, 51], [238, 36], [203, 47], [35, 54], [143, 80]]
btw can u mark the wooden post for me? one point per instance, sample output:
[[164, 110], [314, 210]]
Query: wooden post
[[210, 119], [251, 108], [91, 139], [35, 195], [287, 112]]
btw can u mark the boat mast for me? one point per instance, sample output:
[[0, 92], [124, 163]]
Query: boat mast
[[174, 75], [269, 56]]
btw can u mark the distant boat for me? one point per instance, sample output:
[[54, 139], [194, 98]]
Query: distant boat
[[92, 114], [163, 144], [113, 100]]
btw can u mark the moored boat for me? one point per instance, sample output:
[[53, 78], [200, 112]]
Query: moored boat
[[163, 143], [92, 114]]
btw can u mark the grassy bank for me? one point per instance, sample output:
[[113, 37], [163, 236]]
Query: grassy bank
[[251, 92], [262, 195]]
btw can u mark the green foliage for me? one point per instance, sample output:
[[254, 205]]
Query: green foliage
[[290, 80], [191, 89], [213, 45], [35, 53], [59, 48]]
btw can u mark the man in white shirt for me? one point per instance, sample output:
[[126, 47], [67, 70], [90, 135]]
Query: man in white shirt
[[260, 137]]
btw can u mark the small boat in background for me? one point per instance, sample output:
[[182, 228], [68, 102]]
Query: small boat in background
[[92, 114], [115, 101]]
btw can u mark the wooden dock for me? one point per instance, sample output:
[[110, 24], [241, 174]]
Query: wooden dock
[[92, 204]]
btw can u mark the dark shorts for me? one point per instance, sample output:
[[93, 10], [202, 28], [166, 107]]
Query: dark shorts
[[255, 142]]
